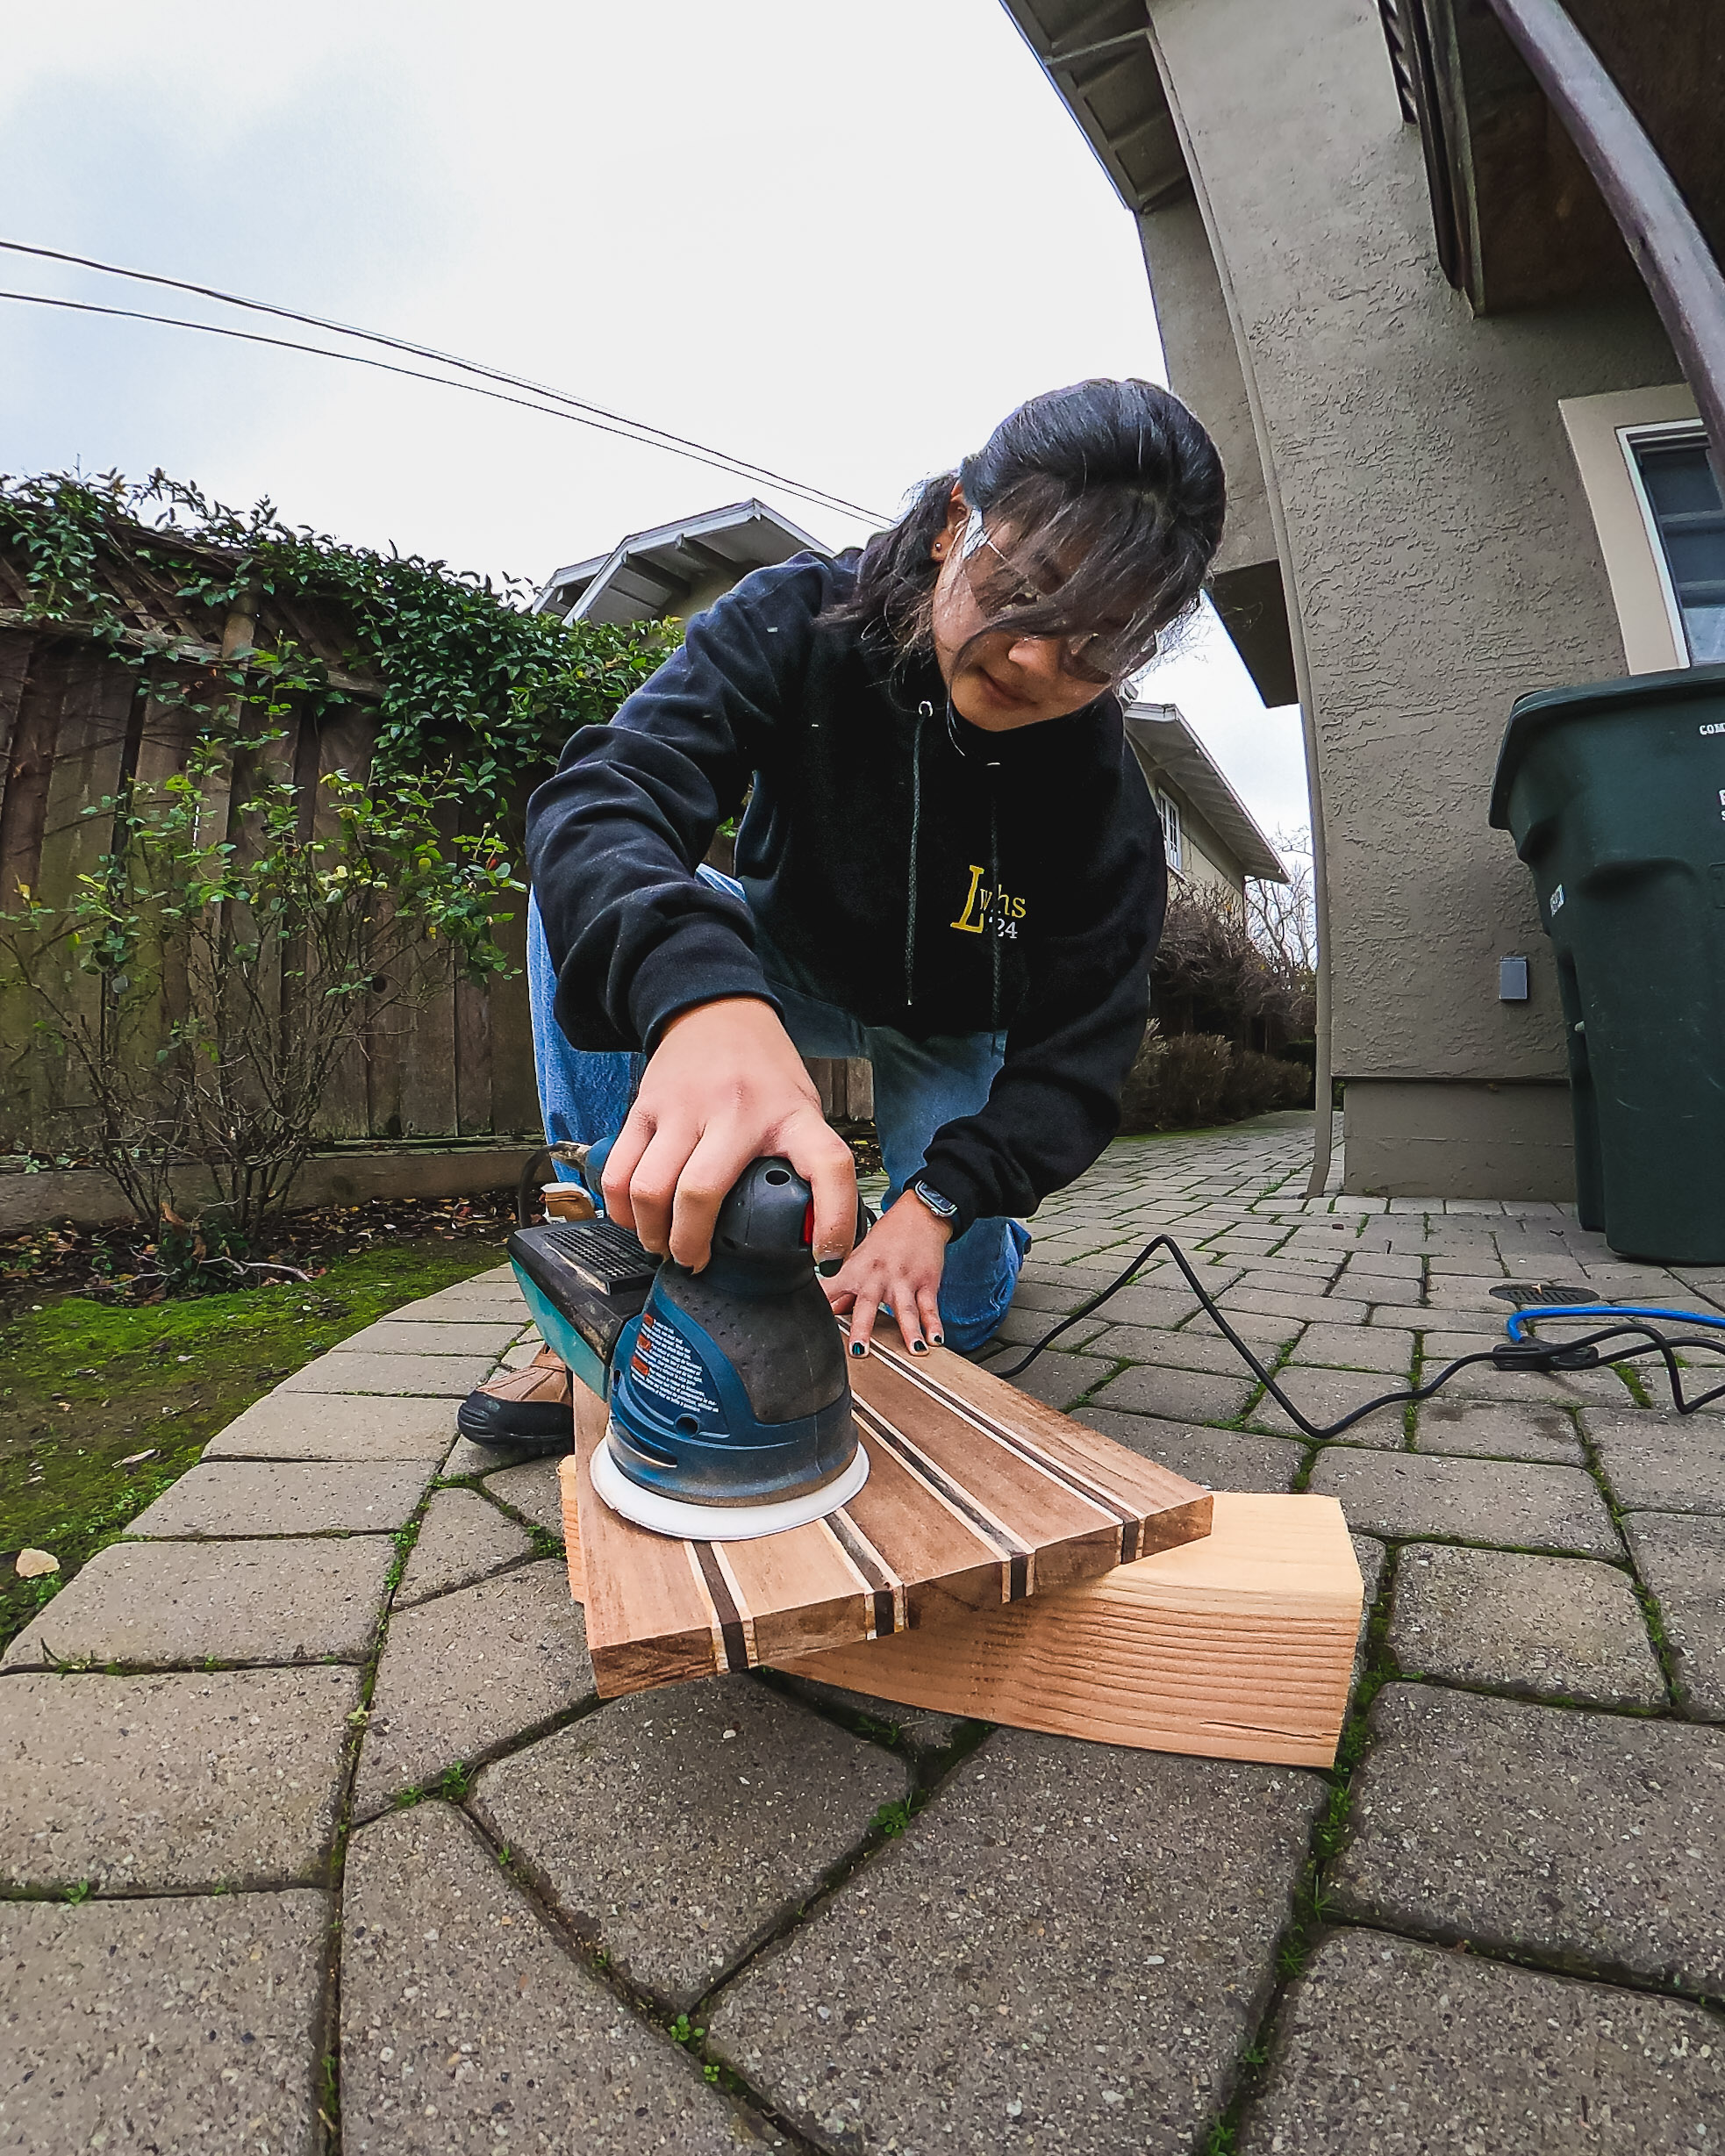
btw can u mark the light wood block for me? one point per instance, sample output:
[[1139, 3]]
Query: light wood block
[[1239, 1646], [978, 1497]]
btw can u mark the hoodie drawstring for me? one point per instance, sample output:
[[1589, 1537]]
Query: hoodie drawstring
[[924, 712], [993, 926]]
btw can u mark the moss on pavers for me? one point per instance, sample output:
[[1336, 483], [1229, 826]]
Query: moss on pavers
[[173, 2023], [463, 2012], [466, 1673], [1509, 1503], [1564, 1626], [1219, 1459], [1681, 1556], [168, 1784], [1404, 2050], [181, 1604], [678, 1829], [309, 1426], [1068, 1947], [237, 1498], [462, 1538], [532, 1488], [1514, 1430], [1588, 1840], [102, 1407], [1658, 1461]]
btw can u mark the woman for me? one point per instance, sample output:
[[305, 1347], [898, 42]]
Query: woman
[[950, 862]]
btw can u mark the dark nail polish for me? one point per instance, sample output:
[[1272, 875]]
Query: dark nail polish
[[829, 1266], [940, 1340], [918, 1347], [857, 1348]]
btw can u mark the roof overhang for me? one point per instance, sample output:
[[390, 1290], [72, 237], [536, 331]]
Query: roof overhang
[[1519, 220], [1165, 745], [1099, 61], [650, 572]]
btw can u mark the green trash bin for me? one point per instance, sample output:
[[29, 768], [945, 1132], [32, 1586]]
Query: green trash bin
[[1615, 798]]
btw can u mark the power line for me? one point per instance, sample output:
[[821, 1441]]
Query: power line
[[598, 415]]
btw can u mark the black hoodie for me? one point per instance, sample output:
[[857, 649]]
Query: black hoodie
[[931, 877]]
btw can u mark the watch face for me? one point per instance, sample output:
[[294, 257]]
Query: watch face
[[934, 1201]]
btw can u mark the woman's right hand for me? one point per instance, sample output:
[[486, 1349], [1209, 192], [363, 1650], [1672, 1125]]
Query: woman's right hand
[[724, 1087]]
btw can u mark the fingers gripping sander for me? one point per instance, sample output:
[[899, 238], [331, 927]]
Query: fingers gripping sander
[[730, 1409]]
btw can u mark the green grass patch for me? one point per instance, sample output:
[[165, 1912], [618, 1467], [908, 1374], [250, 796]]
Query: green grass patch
[[88, 1387]]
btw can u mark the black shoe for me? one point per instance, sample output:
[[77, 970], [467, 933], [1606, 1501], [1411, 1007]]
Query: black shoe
[[530, 1410]]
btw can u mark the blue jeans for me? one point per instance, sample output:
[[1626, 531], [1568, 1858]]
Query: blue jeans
[[918, 1085]]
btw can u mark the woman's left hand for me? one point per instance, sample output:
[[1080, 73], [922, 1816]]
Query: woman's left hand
[[898, 1261]]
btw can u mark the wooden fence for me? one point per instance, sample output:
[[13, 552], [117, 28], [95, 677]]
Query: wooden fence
[[77, 723]]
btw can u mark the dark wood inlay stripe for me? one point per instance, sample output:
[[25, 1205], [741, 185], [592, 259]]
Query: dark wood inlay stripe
[[1074, 1479], [885, 1584], [1012, 1552], [724, 1606]]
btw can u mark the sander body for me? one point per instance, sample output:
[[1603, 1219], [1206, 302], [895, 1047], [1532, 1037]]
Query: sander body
[[729, 1401]]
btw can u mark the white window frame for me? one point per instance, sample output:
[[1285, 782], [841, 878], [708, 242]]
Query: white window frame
[[1667, 432], [1632, 558], [1173, 830]]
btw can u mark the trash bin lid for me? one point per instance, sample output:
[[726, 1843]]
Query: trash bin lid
[[1530, 715]]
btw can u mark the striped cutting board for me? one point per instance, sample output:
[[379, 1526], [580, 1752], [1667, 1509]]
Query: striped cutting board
[[977, 1496]]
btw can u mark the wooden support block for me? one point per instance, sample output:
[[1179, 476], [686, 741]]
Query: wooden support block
[[976, 1497], [1240, 1646]]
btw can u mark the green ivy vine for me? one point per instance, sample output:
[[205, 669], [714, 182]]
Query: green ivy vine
[[475, 690]]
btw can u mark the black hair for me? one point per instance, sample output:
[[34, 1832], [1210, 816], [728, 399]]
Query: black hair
[[1116, 479]]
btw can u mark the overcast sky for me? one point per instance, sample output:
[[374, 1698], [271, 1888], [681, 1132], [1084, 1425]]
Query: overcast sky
[[840, 241]]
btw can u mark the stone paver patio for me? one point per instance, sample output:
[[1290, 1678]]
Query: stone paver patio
[[314, 1835]]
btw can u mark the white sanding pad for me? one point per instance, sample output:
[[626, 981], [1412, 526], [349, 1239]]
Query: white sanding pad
[[686, 1522]]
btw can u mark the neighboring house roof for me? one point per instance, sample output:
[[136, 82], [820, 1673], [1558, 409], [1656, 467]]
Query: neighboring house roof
[[1161, 737], [651, 571]]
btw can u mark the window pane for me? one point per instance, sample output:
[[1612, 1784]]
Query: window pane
[[1690, 516], [1169, 812]]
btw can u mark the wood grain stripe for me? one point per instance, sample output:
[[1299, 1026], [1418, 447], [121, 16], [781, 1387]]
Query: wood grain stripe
[[739, 1603], [727, 1617], [1013, 1553], [1072, 1479], [885, 1587]]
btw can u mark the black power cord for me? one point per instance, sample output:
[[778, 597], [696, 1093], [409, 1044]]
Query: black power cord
[[1532, 1355]]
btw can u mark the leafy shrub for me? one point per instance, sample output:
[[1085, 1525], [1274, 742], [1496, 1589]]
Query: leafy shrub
[[204, 984], [1187, 1081], [1256, 1083]]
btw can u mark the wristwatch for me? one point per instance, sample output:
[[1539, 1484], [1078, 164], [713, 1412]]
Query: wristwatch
[[941, 1207]]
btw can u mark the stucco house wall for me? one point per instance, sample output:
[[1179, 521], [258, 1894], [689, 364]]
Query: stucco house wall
[[1438, 553]]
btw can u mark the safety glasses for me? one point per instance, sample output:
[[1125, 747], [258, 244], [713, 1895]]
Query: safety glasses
[[1099, 656]]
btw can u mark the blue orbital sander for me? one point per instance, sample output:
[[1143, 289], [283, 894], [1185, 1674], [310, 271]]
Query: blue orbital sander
[[729, 1398]]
